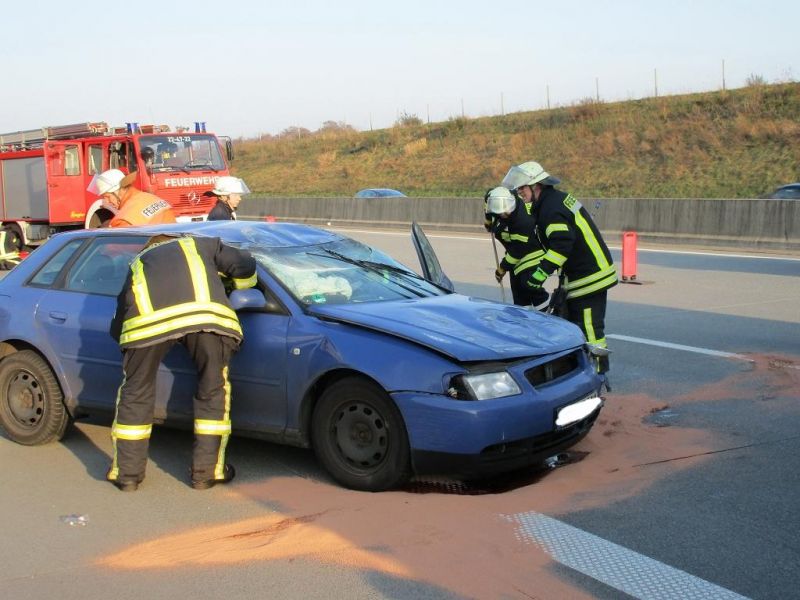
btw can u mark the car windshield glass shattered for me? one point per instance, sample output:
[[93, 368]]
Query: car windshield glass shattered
[[342, 272]]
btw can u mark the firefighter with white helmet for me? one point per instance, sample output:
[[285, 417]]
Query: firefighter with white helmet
[[133, 207], [572, 244], [509, 222], [229, 191]]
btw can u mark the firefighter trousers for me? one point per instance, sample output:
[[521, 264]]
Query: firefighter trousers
[[133, 421], [589, 313]]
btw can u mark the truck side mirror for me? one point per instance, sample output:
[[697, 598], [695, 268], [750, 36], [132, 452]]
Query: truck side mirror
[[229, 149]]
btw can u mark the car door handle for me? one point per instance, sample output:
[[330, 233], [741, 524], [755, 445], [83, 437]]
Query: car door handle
[[58, 316]]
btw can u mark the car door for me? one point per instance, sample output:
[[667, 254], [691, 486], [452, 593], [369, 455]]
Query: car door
[[431, 268], [257, 375], [76, 312]]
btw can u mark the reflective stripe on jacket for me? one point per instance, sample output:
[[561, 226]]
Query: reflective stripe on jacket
[[174, 288], [517, 234], [573, 243]]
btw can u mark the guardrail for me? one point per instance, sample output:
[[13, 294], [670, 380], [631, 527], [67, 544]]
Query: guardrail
[[753, 224]]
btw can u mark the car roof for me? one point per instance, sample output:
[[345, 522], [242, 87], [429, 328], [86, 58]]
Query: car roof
[[274, 235]]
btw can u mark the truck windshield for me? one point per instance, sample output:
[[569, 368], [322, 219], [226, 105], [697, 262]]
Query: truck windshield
[[180, 152]]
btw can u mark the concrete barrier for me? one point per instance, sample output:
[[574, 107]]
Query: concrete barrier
[[748, 224]]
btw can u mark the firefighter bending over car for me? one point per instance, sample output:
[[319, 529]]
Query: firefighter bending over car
[[174, 293], [134, 207], [508, 220], [573, 244]]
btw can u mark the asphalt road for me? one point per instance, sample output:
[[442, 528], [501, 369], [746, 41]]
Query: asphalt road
[[686, 488]]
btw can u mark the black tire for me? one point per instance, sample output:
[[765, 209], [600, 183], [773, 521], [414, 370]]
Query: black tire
[[13, 239], [100, 219], [359, 436], [32, 407]]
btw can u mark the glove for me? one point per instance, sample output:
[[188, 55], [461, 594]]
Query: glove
[[499, 272], [537, 279], [488, 221]]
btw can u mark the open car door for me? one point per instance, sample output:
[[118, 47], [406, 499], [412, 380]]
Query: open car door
[[431, 269]]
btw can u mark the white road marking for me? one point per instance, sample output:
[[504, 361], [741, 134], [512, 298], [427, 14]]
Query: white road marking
[[614, 565], [638, 340]]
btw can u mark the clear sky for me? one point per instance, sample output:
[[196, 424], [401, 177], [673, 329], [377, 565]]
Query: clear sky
[[253, 67]]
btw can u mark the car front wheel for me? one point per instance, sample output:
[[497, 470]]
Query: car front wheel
[[31, 403], [359, 436]]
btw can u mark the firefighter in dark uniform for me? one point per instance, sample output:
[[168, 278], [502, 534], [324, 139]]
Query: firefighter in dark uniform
[[229, 191], [573, 244], [508, 220], [174, 292]]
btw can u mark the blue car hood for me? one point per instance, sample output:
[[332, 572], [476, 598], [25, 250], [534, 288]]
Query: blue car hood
[[466, 329]]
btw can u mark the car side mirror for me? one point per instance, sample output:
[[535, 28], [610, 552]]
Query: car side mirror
[[249, 299]]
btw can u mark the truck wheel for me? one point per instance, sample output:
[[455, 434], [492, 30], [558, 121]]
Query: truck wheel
[[100, 219], [359, 436], [12, 239], [32, 407]]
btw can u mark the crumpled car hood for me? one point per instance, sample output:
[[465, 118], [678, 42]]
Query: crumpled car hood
[[464, 328]]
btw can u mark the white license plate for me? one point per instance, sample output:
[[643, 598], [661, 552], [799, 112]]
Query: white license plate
[[577, 410]]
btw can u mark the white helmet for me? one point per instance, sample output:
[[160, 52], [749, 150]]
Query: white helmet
[[228, 185], [106, 182], [527, 174], [500, 201]]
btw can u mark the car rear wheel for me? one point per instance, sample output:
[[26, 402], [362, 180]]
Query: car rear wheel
[[31, 403], [359, 436]]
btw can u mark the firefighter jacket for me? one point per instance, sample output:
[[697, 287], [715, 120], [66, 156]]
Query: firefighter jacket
[[140, 208], [221, 212], [175, 287], [517, 234], [572, 243]]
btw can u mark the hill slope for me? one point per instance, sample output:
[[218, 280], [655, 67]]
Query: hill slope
[[729, 144]]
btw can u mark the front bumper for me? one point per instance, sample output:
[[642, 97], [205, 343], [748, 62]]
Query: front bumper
[[474, 438], [503, 457]]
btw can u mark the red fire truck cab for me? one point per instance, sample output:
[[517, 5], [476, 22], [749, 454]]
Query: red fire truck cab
[[44, 174]]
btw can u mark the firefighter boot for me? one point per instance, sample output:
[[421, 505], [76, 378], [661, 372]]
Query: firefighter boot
[[228, 473]]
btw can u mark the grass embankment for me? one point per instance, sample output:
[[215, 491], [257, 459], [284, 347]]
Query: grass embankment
[[728, 144]]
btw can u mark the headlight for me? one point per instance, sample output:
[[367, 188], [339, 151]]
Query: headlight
[[484, 386]]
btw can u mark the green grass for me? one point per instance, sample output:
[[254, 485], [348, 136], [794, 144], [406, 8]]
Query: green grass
[[730, 144]]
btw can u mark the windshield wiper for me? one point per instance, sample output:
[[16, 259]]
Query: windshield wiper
[[202, 165]]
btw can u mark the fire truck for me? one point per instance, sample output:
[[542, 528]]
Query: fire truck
[[44, 174]]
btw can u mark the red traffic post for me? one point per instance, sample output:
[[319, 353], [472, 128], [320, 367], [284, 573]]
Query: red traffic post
[[629, 255]]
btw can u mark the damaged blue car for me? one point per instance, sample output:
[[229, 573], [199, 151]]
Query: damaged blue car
[[386, 374]]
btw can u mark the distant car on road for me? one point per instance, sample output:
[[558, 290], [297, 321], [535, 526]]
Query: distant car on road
[[383, 372], [790, 191], [379, 193]]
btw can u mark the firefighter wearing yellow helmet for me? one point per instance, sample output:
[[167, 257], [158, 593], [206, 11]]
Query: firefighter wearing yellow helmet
[[573, 245]]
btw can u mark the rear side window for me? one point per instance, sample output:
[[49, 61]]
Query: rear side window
[[103, 266], [52, 269]]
